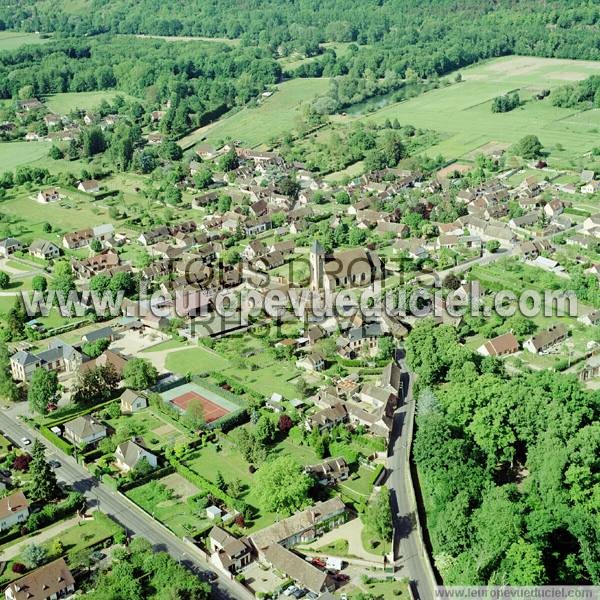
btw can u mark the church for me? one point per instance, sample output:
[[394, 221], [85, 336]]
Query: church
[[356, 267]]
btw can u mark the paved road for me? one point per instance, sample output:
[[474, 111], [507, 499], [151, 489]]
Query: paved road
[[408, 544], [128, 515]]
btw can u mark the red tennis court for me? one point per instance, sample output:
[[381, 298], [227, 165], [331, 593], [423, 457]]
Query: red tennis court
[[212, 411]]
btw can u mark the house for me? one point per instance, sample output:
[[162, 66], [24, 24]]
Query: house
[[29, 105], [590, 188], [153, 236], [587, 175], [48, 195], [50, 582], [360, 339], [554, 208], [128, 456], [155, 138], [591, 318], [157, 115], [330, 471], [591, 225], [59, 356], [44, 250], [328, 417], [585, 241], [269, 261], [14, 509], [9, 246], [132, 402], [89, 186], [206, 151], [591, 369], [99, 263], [501, 345], [108, 358], [273, 543], [83, 237], [528, 220], [311, 362], [228, 552], [544, 340], [213, 512], [84, 430], [254, 249]]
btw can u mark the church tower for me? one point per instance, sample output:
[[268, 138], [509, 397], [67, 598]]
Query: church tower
[[317, 266]]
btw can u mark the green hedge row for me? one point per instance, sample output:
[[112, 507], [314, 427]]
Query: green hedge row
[[56, 440], [378, 470]]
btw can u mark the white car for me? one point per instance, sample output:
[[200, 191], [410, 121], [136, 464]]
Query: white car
[[25, 441]]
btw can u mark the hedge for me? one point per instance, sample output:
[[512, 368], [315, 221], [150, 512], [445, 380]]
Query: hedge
[[378, 470], [201, 482], [156, 474], [56, 440], [54, 512], [231, 421], [110, 481]]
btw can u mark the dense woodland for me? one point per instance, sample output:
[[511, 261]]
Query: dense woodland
[[508, 466]]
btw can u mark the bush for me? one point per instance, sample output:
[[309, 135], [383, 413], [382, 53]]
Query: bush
[[19, 568], [57, 441], [55, 511]]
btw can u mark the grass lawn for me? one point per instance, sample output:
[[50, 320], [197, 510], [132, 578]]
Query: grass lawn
[[65, 103], [462, 113], [4, 446], [269, 375], [170, 508], [11, 40], [374, 545], [378, 588], [14, 154], [272, 118], [360, 484], [168, 345]]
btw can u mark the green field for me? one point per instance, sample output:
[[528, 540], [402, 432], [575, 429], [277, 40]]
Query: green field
[[462, 114], [11, 40], [13, 154], [65, 103], [274, 117]]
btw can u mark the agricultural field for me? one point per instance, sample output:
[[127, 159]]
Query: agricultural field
[[65, 103], [14, 154], [274, 116], [11, 40], [462, 113]]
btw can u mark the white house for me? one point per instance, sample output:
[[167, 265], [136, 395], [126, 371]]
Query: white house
[[132, 402], [13, 509], [129, 454], [84, 430]]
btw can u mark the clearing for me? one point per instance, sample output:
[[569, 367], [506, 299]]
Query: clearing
[[11, 40]]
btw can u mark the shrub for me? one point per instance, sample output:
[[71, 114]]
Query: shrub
[[19, 568]]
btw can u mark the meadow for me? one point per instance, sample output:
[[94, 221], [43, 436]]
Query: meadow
[[273, 117], [14, 154], [462, 113], [11, 40], [87, 101]]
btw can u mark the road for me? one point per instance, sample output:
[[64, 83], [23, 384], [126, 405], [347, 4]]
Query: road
[[409, 549], [133, 519]]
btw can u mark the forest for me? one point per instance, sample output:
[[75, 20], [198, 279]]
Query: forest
[[508, 466]]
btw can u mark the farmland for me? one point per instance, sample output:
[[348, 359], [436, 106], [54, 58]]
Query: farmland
[[462, 114], [11, 40], [273, 117], [65, 103], [13, 154]]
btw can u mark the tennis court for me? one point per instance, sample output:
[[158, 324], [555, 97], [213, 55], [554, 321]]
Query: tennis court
[[213, 405]]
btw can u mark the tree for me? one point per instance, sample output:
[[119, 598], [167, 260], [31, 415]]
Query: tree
[[39, 283], [95, 349], [378, 517], [529, 147], [4, 280], [282, 486], [492, 246], [229, 161], [140, 374], [386, 348], [42, 390], [220, 480], [285, 423], [93, 141], [96, 385], [194, 414], [34, 555], [58, 548], [8, 388], [95, 245], [265, 430], [43, 486], [451, 282], [55, 153], [62, 278]]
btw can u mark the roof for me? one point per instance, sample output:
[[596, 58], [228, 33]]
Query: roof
[[295, 567], [128, 397], [301, 521], [502, 344], [549, 336], [98, 334], [42, 246], [132, 453], [391, 376], [44, 582], [85, 426], [231, 545], [89, 184], [16, 502]]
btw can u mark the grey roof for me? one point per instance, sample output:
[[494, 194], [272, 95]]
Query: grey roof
[[98, 334], [132, 453], [85, 426], [42, 246], [24, 358], [366, 331], [9, 241]]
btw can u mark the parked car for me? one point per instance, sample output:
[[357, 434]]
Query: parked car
[[342, 577], [54, 464], [25, 441], [290, 590]]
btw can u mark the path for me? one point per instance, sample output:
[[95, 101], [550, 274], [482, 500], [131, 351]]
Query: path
[[39, 538], [351, 532]]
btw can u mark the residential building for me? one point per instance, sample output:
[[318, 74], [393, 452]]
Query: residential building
[[311, 362], [59, 356], [48, 195], [14, 509], [84, 430], [501, 345], [50, 582], [544, 340], [328, 417], [89, 186], [9, 246], [44, 250], [128, 456], [330, 471], [228, 552], [132, 402]]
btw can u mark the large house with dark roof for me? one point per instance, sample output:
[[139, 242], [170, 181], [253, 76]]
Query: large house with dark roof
[[59, 356]]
